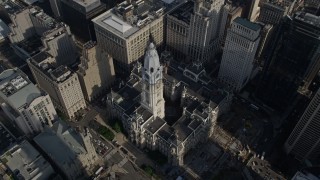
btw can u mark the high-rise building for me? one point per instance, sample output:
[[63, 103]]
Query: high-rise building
[[239, 53], [233, 13], [293, 62], [177, 29], [96, 71], [304, 141], [124, 31], [152, 85], [71, 151], [59, 82], [24, 103], [56, 9], [60, 43], [204, 34], [25, 162], [266, 35], [254, 10], [21, 25], [273, 11], [78, 15], [41, 21]]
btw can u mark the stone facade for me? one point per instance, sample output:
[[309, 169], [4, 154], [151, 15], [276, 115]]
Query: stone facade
[[200, 99]]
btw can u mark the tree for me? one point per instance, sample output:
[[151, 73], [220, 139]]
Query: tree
[[116, 127], [148, 169], [105, 132]]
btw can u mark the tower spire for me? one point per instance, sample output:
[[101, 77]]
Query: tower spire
[[152, 88]]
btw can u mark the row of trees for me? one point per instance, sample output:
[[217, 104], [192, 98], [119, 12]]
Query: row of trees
[[106, 133]]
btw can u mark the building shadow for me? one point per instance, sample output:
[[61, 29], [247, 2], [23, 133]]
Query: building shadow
[[64, 157]]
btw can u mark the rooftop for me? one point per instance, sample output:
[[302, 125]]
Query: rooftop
[[17, 89], [184, 12], [84, 5], [115, 24], [43, 17], [87, 3], [166, 132], [26, 162], [181, 128], [13, 7], [308, 18], [61, 142], [55, 32], [247, 23], [31, 46], [127, 18], [41, 56], [155, 125], [60, 73], [29, 2], [205, 87], [46, 63]]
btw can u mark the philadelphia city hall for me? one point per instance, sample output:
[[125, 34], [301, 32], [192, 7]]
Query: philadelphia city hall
[[141, 105]]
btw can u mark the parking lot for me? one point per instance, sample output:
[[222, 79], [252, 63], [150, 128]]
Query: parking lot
[[101, 147]]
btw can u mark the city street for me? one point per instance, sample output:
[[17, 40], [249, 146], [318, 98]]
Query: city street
[[120, 151]]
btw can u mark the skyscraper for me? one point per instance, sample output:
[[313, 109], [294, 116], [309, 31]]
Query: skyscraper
[[304, 141], [21, 26], [177, 29], [59, 82], [78, 15], [294, 60], [96, 72], [204, 34], [239, 53], [24, 103], [272, 12], [254, 10], [59, 42]]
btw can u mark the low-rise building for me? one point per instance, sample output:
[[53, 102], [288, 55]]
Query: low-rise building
[[71, 151], [23, 161], [24, 103]]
